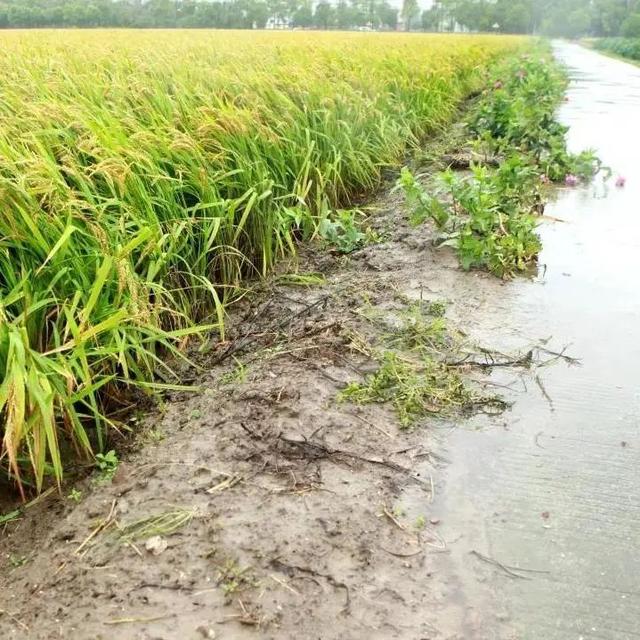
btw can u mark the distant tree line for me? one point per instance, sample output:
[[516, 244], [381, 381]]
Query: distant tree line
[[224, 14], [552, 17], [571, 18]]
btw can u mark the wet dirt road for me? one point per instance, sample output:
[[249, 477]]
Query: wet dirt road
[[553, 485]]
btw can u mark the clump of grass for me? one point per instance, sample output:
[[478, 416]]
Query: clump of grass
[[237, 375], [417, 372], [415, 389], [422, 330], [301, 279], [140, 187]]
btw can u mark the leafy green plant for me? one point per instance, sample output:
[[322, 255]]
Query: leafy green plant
[[422, 205], [75, 495], [490, 215], [517, 115], [342, 231], [107, 463], [491, 220]]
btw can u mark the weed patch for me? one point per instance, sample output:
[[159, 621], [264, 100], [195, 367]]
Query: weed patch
[[414, 375], [414, 389], [490, 214]]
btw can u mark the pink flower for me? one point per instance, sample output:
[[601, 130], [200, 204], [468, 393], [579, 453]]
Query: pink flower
[[621, 181], [498, 84], [544, 179], [570, 180]]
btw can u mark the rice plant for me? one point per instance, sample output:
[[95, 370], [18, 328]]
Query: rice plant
[[143, 175]]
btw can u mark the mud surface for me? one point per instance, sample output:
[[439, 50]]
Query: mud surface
[[310, 518]]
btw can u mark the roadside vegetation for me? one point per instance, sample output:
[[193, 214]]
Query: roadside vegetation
[[140, 188], [624, 47], [489, 213]]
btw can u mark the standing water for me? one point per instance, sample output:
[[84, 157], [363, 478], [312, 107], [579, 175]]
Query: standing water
[[553, 487]]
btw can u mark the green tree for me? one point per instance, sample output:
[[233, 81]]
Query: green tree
[[303, 15], [410, 11], [344, 15], [324, 15], [386, 15], [631, 26]]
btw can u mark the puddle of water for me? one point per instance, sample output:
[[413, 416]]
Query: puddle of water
[[553, 486]]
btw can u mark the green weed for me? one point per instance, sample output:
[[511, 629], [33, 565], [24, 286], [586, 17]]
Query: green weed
[[237, 375], [422, 206], [107, 464], [490, 215], [343, 231], [232, 578], [18, 561], [75, 495]]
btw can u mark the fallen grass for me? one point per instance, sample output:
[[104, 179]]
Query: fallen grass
[[143, 175], [163, 524], [414, 374], [414, 388], [157, 525]]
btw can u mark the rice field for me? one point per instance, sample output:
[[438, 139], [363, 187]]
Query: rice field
[[145, 175]]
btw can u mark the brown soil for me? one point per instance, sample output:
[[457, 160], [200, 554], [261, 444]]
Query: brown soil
[[297, 529]]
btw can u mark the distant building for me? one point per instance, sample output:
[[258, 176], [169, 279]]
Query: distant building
[[278, 22]]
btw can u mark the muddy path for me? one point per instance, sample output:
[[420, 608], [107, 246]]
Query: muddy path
[[288, 514], [296, 527]]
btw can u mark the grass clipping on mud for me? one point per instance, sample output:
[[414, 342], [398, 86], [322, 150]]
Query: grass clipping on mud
[[145, 174], [415, 374]]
